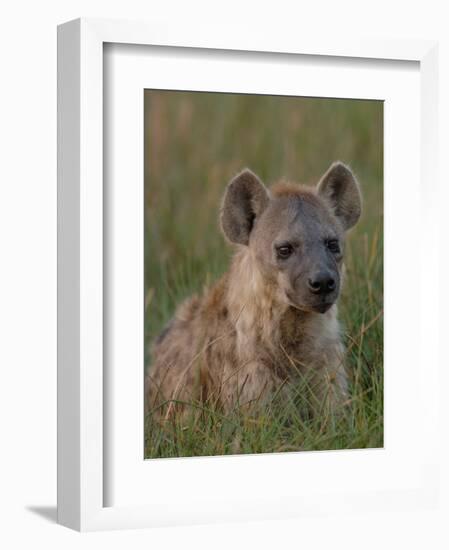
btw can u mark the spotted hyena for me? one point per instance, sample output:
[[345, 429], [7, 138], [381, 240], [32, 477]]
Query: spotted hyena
[[273, 315]]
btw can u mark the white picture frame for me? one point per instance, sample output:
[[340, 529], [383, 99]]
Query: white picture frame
[[82, 491]]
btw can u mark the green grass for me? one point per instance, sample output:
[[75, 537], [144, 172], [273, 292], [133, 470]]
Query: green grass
[[194, 143]]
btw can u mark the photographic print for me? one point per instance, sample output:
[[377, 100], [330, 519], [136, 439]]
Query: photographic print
[[263, 274]]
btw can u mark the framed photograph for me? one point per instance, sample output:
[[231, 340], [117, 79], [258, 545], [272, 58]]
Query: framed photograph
[[237, 219], [246, 349]]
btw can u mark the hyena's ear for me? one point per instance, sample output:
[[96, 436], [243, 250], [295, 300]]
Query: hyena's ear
[[245, 199], [340, 189]]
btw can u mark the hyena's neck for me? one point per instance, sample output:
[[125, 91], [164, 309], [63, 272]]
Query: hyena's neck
[[253, 306], [262, 320]]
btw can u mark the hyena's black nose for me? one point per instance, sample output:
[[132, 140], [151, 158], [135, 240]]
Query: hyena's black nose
[[322, 283]]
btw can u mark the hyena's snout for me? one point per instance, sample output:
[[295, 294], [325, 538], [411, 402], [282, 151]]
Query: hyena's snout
[[322, 283], [322, 288], [317, 289]]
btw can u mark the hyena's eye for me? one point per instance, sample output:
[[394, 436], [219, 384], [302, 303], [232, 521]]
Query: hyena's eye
[[284, 251], [333, 245]]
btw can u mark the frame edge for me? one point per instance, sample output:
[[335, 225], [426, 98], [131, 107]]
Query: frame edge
[[68, 267]]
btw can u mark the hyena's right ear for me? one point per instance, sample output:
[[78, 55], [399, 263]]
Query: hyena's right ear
[[245, 199]]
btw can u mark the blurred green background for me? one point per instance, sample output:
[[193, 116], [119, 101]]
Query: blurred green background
[[195, 142]]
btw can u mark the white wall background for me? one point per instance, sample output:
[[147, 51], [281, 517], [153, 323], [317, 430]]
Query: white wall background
[[28, 269]]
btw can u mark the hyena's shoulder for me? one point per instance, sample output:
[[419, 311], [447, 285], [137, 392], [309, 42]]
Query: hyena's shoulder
[[197, 315], [184, 315]]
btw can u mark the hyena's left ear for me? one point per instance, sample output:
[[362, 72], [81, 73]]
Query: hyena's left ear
[[245, 199], [341, 190]]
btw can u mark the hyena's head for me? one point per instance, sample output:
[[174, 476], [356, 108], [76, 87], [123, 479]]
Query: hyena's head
[[295, 234]]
